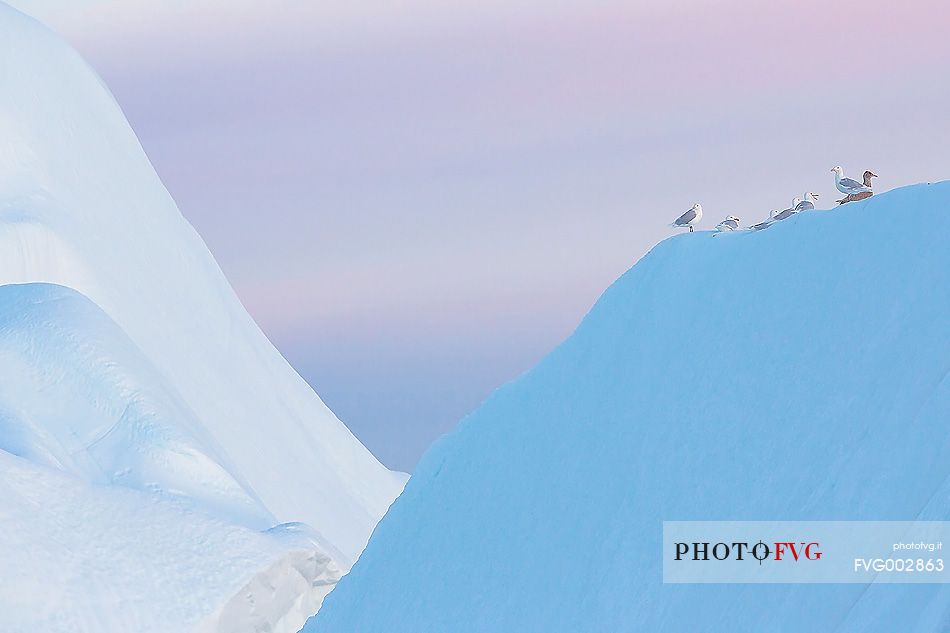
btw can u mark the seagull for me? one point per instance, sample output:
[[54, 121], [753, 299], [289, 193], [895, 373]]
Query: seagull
[[767, 223], [854, 197], [808, 203], [787, 213], [848, 186], [731, 223], [690, 218], [777, 216]]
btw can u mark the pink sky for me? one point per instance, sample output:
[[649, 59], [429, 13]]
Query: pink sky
[[418, 204]]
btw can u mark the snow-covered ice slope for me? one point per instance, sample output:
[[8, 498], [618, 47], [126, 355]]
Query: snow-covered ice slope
[[81, 206], [79, 557], [118, 512], [795, 373], [78, 396]]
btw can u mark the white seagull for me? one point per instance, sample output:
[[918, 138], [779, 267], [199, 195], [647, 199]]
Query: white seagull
[[848, 186], [690, 218], [767, 223], [731, 223], [808, 203]]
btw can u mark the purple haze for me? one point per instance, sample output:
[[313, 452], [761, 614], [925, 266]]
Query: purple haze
[[417, 205]]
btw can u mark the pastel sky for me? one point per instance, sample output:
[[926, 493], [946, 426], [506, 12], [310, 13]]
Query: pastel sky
[[417, 200]]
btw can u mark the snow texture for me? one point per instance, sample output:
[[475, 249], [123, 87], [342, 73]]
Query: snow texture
[[119, 513], [162, 468], [80, 206], [78, 396], [82, 557], [799, 373]]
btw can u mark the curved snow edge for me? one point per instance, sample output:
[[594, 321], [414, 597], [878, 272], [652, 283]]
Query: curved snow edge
[[280, 598]]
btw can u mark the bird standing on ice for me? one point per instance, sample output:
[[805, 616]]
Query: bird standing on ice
[[848, 186], [690, 218], [808, 203], [731, 223]]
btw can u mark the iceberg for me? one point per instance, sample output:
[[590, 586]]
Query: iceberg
[[800, 373]]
